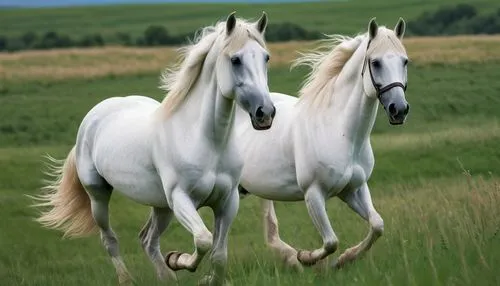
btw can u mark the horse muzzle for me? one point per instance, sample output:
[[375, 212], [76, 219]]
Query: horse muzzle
[[395, 105], [262, 118]]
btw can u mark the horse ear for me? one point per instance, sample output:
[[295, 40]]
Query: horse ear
[[230, 23], [372, 28], [262, 23], [400, 28]]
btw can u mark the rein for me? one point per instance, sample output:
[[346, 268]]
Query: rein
[[378, 87]]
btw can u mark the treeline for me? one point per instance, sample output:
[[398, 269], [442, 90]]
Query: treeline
[[154, 35], [461, 19]]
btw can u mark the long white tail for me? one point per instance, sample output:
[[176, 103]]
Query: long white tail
[[68, 203]]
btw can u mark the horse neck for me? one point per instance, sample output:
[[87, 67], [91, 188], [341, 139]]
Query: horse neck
[[359, 114], [215, 115], [349, 104]]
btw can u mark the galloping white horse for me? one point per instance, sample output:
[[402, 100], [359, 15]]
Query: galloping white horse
[[175, 156], [319, 145]]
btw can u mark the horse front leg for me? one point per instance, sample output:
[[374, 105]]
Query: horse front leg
[[361, 202], [224, 215], [187, 215], [315, 202], [272, 237]]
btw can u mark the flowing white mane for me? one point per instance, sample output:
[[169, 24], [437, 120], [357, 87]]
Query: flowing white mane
[[178, 80], [327, 61]]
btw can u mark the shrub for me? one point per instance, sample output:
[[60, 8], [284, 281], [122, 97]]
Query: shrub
[[91, 40]]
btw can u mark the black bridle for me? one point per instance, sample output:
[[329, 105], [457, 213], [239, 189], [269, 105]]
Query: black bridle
[[378, 87]]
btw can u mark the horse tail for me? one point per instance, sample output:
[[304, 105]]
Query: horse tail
[[68, 203]]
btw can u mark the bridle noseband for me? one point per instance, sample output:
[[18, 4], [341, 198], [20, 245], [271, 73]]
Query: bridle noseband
[[380, 90]]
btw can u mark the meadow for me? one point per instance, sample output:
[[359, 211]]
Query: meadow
[[436, 181]]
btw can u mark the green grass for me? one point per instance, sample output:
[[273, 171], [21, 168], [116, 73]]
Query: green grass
[[441, 225], [39, 114], [345, 17]]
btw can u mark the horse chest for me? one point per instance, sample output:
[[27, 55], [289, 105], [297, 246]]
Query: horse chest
[[351, 169], [349, 176], [212, 178]]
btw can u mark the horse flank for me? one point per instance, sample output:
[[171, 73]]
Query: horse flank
[[178, 80]]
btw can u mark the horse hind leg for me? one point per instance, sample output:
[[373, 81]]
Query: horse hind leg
[[272, 237], [78, 202], [150, 240], [100, 193], [187, 215]]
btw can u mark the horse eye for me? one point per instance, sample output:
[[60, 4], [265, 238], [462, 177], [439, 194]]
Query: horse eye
[[376, 63], [405, 62], [267, 58], [236, 60]]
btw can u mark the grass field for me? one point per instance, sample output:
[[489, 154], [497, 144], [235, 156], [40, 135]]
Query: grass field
[[436, 181], [339, 16]]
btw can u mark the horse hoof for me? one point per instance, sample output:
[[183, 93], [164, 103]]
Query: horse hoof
[[301, 257], [335, 264], [208, 280], [172, 259]]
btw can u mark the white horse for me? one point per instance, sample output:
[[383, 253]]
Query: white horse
[[319, 145], [175, 156]]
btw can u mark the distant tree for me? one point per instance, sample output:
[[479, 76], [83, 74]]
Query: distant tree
[[15, 44], [53, 40], [460, 19], [289, 31], [488, 24], [29, 39], [156, 36], [124, 38], [140, 42], [181, 39], [3, 43], [465, 11], [91, 40], [440, 21]]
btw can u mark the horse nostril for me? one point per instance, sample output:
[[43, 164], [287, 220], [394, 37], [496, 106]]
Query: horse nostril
[[392, 109], [274, 112], [259, 114], [407, 109]]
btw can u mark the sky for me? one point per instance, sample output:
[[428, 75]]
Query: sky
[[57, 3]]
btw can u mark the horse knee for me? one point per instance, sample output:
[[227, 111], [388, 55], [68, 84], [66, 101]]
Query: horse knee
[[378, 227], [203, 241], [331, 246]]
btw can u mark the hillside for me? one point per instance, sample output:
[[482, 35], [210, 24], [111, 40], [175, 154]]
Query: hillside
[[344, 17]]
